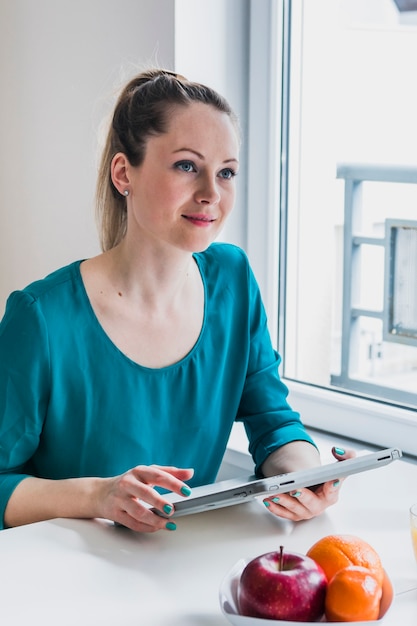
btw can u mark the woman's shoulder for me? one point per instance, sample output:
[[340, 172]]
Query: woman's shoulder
[[58, 278], [50, 288], [225, 270], [225, 255]]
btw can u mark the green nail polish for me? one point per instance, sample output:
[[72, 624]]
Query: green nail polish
[[170, 526], [266, 503], [339, 451], [296, 494], [167, 508], [276, 500], [186, 491]]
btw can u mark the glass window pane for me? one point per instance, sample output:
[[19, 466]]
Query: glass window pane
[[352, 109]]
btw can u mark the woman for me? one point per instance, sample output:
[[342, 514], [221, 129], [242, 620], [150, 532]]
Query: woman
[[121, 375]]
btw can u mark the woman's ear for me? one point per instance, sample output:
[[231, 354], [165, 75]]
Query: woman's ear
[[119, 171]]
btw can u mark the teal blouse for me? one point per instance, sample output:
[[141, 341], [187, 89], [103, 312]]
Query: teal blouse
[[72, 404]]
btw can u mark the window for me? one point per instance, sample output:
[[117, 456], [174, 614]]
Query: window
[[348, 172], [400, 304]]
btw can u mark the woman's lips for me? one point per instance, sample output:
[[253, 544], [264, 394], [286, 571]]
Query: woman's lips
[[200, 220]]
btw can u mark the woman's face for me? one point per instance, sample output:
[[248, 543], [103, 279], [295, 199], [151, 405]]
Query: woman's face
[[184, 189]]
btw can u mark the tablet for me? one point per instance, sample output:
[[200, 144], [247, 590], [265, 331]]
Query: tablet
[[239, 490]]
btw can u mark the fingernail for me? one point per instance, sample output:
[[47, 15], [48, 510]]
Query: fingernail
[[167, 508], [296, 494], [266, 503], [276, 500], [170, 526], [186, 491], [336, 483], [339, 451]]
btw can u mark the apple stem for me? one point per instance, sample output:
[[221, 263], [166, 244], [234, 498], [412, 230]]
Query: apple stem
[[281, 557]]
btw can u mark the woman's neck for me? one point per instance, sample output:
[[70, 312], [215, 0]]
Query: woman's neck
[[155, 277]]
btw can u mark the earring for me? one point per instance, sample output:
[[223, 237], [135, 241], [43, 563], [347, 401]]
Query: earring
[[126, 192]]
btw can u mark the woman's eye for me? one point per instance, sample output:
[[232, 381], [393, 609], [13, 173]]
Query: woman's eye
[[185, 166], [227, 173]]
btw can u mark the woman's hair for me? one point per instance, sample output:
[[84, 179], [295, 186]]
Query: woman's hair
[[142, 110]]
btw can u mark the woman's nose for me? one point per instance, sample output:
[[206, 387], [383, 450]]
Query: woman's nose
[[207, 191]]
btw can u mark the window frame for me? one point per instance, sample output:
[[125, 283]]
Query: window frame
[[338, 412]]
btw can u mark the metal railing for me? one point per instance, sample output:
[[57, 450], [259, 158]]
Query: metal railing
[[354, 175]]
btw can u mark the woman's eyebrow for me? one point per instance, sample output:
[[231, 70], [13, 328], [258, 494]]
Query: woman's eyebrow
[[200, 156]]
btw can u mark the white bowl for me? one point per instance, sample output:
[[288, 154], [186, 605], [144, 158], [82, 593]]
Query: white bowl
[[228, 604]]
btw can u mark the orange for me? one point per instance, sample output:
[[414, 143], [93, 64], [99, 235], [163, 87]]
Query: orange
[[353, 595], [387, 596], [335, 552]]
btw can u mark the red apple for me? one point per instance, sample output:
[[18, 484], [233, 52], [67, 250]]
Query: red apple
[[283, 586]]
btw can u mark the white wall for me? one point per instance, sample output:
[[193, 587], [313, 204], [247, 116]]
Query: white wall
[[60, 62]]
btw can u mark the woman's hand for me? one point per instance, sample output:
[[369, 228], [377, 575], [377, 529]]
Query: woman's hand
[[126, 499], [304, 503]]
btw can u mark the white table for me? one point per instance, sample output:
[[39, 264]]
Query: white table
[[81, 572]]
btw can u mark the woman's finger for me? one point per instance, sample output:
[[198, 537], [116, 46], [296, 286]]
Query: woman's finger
[[169, 478], [342, 454]]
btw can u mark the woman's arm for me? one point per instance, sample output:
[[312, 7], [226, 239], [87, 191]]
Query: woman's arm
[[295, 455], [124, 499]]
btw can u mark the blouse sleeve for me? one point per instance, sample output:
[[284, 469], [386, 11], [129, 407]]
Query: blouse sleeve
[[24, 383], [269, 420]]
